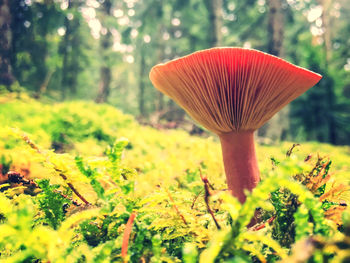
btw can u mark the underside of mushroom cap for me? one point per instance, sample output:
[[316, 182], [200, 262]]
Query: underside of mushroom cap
[[232, 89]]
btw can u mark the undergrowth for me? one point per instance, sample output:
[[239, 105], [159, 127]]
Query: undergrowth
[[119, 206]]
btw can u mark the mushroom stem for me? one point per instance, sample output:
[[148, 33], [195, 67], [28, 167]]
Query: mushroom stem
[[240, 162]]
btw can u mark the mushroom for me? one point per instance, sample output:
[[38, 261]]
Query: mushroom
[[233, 92]]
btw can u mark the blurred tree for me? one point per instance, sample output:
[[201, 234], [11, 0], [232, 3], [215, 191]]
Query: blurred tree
[[151, 31], [330, 91], [6, 77], [71, 49], [311, 111], [273, 44], [160, 49], [50, 44], [106, 43], [275, 27], [322, 111], [214, 8], [245, 24], [142, 72], [33, 24]]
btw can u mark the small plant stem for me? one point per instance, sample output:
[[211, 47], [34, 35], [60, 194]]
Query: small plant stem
[[240, 162], [263, 225], [64, 177], [67, 197], [289, 152], [175, 207], [126, 236], [195, 198], [207, 194], [70, 185]]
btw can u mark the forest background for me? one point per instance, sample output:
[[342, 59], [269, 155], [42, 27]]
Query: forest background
[[103, 51]]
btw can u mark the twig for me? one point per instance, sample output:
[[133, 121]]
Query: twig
[[206, 197], [67, 197], [316, 166], [64, 177], [17, 178], [289, 152], [60, 172], [263, 225], [126, 236], [195, 198], [204, 178], [175, 207], [307, 158]]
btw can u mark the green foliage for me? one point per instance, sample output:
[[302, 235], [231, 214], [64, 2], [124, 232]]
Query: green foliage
[[52, 203], [104, 231], [286, 205], [92, 175], [65, 125], [84, 202], [56, 51]]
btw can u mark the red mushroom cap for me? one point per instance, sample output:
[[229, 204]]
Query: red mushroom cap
[[232, 89]]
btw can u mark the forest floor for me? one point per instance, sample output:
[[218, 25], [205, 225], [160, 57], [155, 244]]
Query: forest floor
[[167, 169], [86, 128]]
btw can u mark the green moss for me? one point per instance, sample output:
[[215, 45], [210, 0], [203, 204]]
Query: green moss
[[155, 175]]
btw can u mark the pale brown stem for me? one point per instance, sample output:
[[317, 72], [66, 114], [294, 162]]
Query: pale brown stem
[[241, 165]]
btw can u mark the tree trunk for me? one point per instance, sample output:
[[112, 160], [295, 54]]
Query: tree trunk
[[275, 27], [327, 40], [142, 85], [105, 71], [160, 105], [276, 127], [43, 86], [214, 8], [326, 23], [160, 58], [104, 85], [69, 45], [6, 77]]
